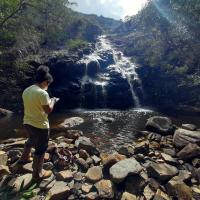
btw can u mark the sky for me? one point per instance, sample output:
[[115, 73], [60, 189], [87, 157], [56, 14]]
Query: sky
[[116, 9]]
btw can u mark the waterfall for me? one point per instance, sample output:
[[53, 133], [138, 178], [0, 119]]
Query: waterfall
[[107, 67]]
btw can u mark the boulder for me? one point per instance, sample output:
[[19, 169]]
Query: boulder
[[179, 190], [182, 137], [3, 158], [190, 127], [169, 159], [105, 189], [59, 191], [92, 196], [94, 174], [65, 175], [158, 124], [71, 122], [109, 160], [23, 182], [73, 134], [188, 152], [83, 154], [123, 168], [126, 150], [86, 144], [128, 196], [161, 171], [82, 164]]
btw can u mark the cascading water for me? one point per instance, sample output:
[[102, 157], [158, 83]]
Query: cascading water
[[111, 68]]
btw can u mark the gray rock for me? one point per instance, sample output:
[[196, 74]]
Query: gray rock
[[71, 122], [169, 160], [45, 182], [16, 183], [105, 189], [94, 174], [65, 175], [161, 171], [86, 144], [123, 168], [190, 127], [59, 191], [183, 137], [158, 124], [128, 196], [179, 190], [188, 152]]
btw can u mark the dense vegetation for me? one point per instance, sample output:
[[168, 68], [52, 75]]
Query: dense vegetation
[[27, 26], [165, 36]]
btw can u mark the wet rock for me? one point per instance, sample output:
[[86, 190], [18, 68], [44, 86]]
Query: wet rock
[[188, 152], [108, 119], [82, 164], [142, 147], [71, 122], [148, 193], [65, 175], [105, 189], [16, 183], [161, 171], [160, 195], [135, 184], [128, 196], [83, 154], [162, 125], [123, 168], [126, 150], [190, 127], [179, 190], [154, 136], [183, 137], [59, 191], [86, 187], [94, 174], [86, 144], [4, 170], [3, 158], [73, 134]]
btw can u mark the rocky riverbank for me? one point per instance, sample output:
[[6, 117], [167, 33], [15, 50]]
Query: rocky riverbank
[[163, 164]]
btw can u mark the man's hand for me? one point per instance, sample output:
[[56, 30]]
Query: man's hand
[[55, 99]]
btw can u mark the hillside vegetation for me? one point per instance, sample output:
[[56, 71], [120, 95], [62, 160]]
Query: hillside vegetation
[[165, 37]]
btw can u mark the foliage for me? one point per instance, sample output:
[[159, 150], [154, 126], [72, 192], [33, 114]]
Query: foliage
[[75, 44]]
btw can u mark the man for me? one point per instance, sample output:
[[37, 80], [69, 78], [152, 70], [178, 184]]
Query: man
[[37, 106]]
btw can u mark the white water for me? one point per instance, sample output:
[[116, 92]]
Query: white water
[[121, 65]]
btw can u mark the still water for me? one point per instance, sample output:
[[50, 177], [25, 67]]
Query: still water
[[106, 134]]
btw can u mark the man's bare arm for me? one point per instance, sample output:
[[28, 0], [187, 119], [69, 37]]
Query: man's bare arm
[[49, 108]]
